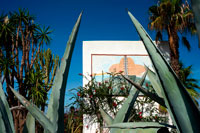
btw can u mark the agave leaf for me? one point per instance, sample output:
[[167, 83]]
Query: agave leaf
[[124, 112], [182, 108], [29, 127], [5, 117], [2, 126], [154, 81], [56, 105], [135, 125], [138, 127], [106, 117], [144, 130], [5, 112], [35, 112], [147, 93]]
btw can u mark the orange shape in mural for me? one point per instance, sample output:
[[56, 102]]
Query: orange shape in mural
[[132, 68]]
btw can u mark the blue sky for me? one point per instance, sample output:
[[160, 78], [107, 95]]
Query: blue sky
[[101, 20]]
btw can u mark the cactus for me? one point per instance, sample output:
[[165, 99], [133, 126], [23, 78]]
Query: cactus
[[155, 82], [124, 112], [170, 93], [55, 110], [29, 126], [6, 119], [147, 93], [35, 112], [5, 113], [135, 125], [47, 62], [2, 126], [54, 120], [185, 113]]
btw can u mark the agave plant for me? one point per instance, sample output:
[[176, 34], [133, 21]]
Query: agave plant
[[6, 119], [173, 91], [53, 121], [120, 122], [171, 94]]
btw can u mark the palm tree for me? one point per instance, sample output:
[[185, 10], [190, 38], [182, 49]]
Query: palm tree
[[35, 82], [42, 35], [172, 16], [19, 38], [190, 83], [6, 61]]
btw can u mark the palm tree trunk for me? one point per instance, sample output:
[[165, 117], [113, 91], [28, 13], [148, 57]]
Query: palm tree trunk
[[16, 52], [21, 90], [0, 67], [32, 62], [174, 46]]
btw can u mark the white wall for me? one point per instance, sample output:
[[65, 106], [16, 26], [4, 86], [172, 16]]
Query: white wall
[[110, 47]]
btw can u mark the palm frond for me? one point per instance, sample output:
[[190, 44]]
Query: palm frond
[[186, 43]]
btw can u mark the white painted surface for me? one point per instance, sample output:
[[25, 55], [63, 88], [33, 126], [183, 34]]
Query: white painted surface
[[109, 47]]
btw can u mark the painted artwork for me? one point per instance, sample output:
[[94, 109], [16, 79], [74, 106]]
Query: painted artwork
[[129, 64]]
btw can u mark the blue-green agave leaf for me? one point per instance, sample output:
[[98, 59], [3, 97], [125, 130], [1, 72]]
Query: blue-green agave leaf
[[147, 93], [2, 126], [181, 107], [139, 130], [29, 126], [138, 127], [154, 81], [56, 105], [35, 112], [106, 117], [135, 125], [124, 112], [5, 112]]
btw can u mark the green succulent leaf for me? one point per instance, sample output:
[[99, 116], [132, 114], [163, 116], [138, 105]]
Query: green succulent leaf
[[154, 81], [56, 105], [29, 126], [147, 93], [124, 112], [135, 125], [181, 107], [35, 112], [145, 130], [2, 126], [106, 117], [5, 112]]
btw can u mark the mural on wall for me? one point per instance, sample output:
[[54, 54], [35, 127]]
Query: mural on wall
[[129, 64]]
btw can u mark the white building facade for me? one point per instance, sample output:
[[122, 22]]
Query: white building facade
[[113, 56]]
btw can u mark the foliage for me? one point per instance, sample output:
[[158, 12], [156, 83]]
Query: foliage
[[95, 94], [73, 121], [191, 84], [146, 110], [98, 99], [173, 91], [195, 8], [21, 39], [35, 81], [54, 120], [172, 16], [40, 78]]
